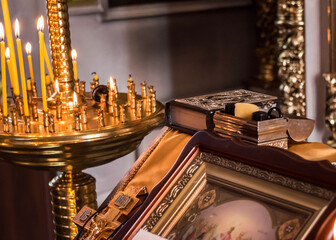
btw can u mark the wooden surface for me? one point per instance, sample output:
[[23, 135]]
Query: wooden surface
[[25, 211]]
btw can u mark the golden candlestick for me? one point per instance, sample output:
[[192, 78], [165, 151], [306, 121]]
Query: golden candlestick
[[77, 137]]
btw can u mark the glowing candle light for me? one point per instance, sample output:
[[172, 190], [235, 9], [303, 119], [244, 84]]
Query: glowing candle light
[[30, 62], [46, 58], [40, 26], [74, 63], [75, 100], [10, 70], [3, 72], [75, 103], [111, 84], [115, 88], [8, 27], [56, 86], [22, 72]]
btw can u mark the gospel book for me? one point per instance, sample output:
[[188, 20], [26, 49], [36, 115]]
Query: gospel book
[[196, 113]]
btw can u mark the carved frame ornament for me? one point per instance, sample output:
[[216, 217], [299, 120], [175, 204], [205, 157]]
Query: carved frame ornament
[[281, 51]]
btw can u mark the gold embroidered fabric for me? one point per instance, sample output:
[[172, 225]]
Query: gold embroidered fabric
[[160, 160]]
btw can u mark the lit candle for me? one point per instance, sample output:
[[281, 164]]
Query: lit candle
[[115, 88], [95, 78], [46, 57], [3, 72], [10, 43], [75, 103], [30, 63], [40, 26], [10, 70], [74, 63], [75, 100], [22, 73], [111, 84], [130, 79]]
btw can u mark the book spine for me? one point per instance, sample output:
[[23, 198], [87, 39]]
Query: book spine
[[168, 119], [209, 120]]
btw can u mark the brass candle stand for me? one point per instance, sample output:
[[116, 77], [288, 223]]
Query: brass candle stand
[[64, 148], [79, 130]]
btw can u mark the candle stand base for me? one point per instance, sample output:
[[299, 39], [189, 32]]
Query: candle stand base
[[70, 191]]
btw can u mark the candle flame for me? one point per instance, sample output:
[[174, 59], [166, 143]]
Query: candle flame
[[56, 86], [2, 32], [111, 84], [75, 101], [7, 54], [40, 24], [74, 54], [28, 48], [17, 28]]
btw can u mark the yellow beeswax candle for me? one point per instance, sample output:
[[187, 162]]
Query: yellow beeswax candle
[[22, 72], [3, 72], [28, 85], [10, 43], [10, 69], [30, 63], [47, 60], [40, 26], [74, 63]]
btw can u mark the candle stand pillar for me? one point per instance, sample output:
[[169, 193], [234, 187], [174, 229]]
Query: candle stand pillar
[[69, 192], [60, 45]]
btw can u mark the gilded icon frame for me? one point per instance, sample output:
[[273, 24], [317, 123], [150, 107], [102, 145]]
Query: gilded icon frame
[[293, 204]]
